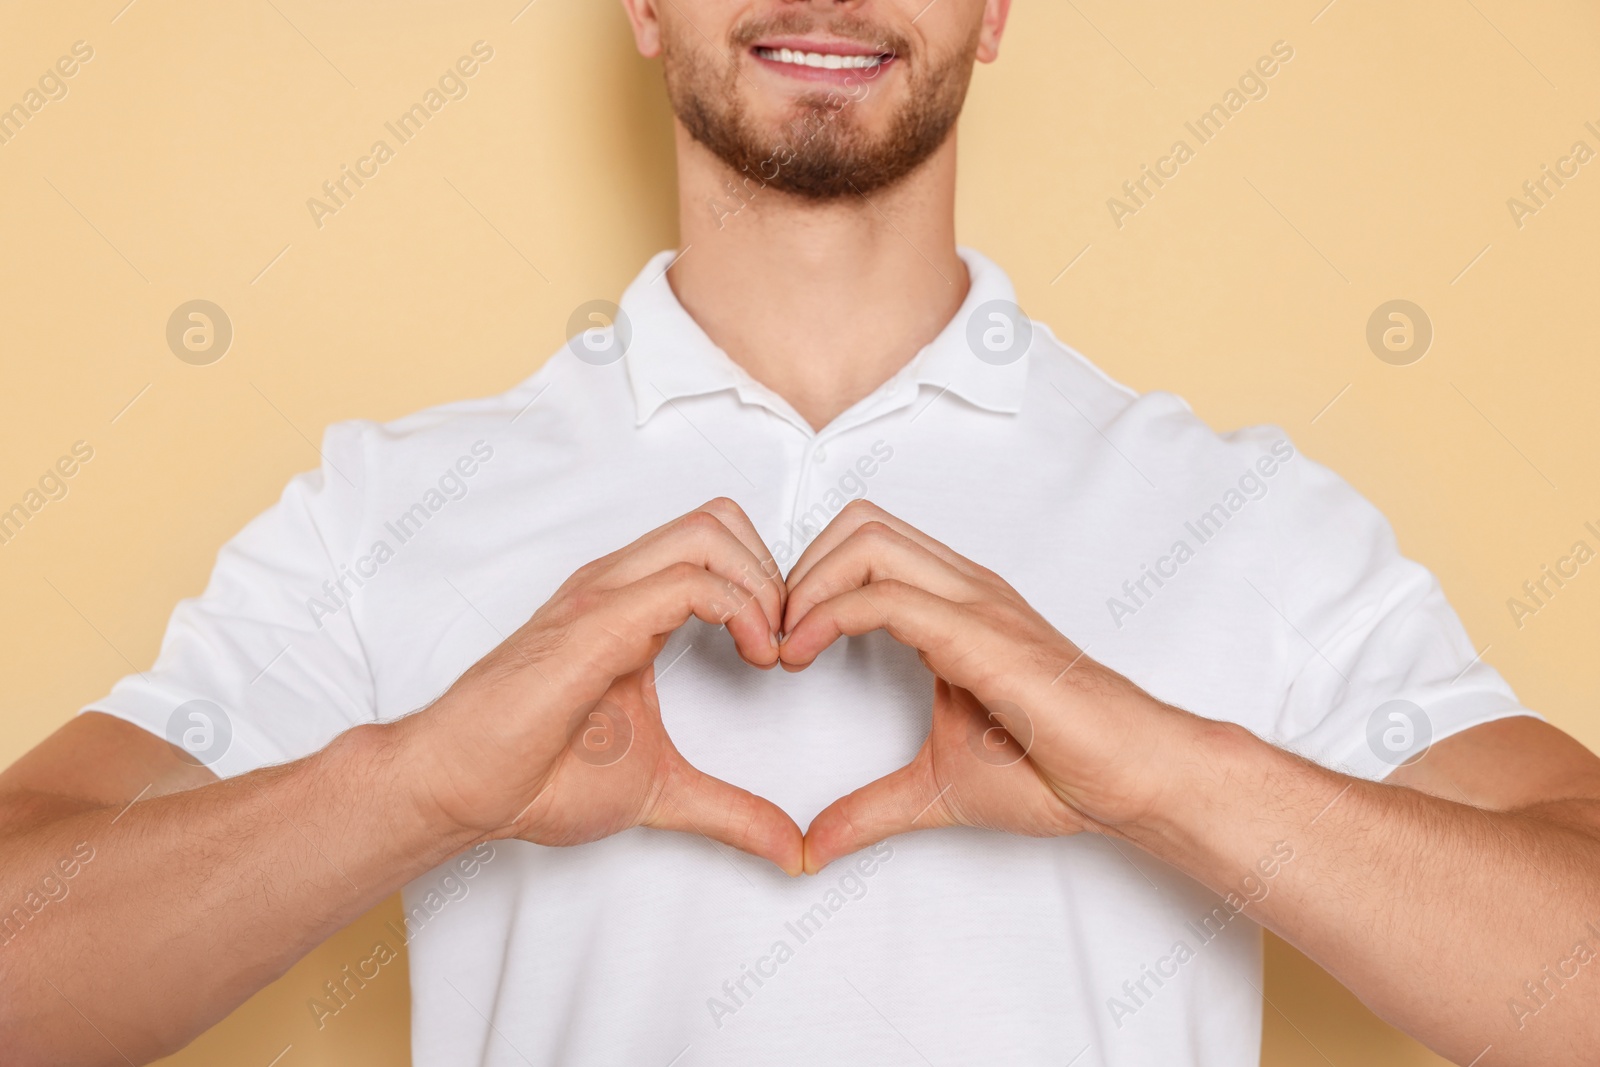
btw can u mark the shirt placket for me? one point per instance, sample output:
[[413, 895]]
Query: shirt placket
[[822, 458]]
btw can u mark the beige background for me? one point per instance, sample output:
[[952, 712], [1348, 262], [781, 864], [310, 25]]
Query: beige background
[[1377, 167]]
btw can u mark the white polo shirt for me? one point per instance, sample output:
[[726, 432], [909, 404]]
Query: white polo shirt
[[1225, 573]]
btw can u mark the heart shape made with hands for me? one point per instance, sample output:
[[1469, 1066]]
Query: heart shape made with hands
[[987, 760]]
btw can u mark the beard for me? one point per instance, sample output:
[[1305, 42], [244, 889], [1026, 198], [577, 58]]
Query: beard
[[822, 152]]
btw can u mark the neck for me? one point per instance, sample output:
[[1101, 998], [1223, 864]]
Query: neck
[[820, 302]]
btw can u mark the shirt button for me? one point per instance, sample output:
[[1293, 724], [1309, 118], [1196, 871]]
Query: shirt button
[[820, 454]]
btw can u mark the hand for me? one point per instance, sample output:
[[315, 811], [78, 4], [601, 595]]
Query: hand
[[1029, 735], [555, 736]]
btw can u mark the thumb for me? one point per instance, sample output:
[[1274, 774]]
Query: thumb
[[904, 800], [692, 801]]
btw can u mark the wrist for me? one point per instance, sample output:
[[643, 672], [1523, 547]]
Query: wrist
[[399, 763], [1211, 779], [1133, 765]]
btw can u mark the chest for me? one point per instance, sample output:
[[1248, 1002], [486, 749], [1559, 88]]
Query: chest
[[1110, 564]]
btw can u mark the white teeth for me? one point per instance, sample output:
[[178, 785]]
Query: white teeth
[[819, 60]]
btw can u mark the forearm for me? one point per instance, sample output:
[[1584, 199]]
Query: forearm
[[1434, 912], [206, 895]]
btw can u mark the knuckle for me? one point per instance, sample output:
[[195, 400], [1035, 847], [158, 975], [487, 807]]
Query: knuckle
[[860, 509], [701, 523], [582, 601], [892, 588], [992, 577], [851, 827], [876, 531], [589, 571], [721, 507], [749, 820], [683, 571]]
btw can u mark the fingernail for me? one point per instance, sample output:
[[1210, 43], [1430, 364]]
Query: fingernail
[[773, 638]]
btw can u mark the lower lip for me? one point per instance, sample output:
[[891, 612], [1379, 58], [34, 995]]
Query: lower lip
[[841, 76]]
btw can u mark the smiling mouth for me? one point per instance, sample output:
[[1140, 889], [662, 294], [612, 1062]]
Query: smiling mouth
[[822, 60]]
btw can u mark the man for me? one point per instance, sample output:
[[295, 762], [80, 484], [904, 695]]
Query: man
[[1137, 687]]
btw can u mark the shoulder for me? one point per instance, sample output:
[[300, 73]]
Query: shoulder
[[550, 404], [1157, 424]]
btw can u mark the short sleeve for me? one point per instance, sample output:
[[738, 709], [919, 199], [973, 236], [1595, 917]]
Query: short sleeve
[[266, 665], [1378, 664]]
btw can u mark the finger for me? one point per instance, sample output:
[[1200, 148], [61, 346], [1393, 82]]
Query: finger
[[854, 515], [874, 552], [941, 630], [692, 801], [899, 802], [717, 536], [631, 618], [738, 522]]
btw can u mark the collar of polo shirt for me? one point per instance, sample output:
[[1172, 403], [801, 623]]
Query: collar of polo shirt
[[670, 357]]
